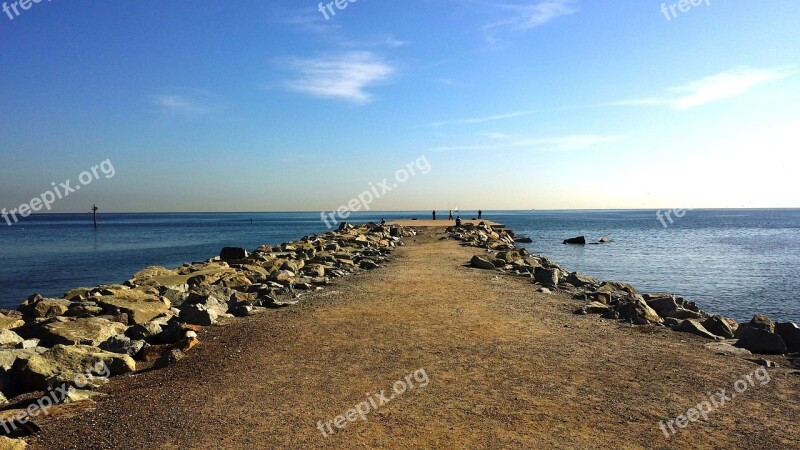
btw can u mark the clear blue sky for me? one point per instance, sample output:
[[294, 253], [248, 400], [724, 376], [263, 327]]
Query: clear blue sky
[[258, 106]]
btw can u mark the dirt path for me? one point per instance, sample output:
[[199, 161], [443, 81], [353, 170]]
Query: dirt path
[[507, 368]]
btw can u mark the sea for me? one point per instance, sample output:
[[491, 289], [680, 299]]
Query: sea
[[734, 262]]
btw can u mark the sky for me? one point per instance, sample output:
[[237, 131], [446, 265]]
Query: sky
[[512, 104]]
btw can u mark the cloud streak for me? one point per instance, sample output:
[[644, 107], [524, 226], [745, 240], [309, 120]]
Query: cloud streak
[[477, 120], [192, 103], [529, 15], [721, 86], [560, 143], [343, 77]]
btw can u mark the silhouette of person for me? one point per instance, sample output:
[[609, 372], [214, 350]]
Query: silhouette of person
[[451, 215], [458, 221], [383, 221], [480, 214], [434, 215]]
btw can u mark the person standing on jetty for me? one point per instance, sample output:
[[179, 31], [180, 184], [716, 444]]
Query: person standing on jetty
[[480, 214], [434, 215], [451, 215]]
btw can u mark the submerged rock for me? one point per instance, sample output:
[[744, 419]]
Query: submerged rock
[[580, 240]]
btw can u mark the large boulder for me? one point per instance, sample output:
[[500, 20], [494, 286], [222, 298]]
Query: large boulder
[[70, 365], [547, 277], [593, 308], [790, 333], [11, 319], [482, 263], [615, 286], [198, 315], [720, 326], [141, 307], [233, 253], [579, 280], [37, 306], [124, 345], [761, 322], [9, 339], [677, 308], [580, 240], [635, 310], [90, 331], [694, 327], [761, 341], [7, 443]]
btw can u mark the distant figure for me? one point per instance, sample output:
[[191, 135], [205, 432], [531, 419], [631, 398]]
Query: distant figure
[[480, 214], [94, 215], [383, 222], [434, 215], [451, 215], [458, 222], [251, 221]]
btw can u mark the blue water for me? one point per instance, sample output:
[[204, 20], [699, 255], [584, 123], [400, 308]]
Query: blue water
[[733, 262]]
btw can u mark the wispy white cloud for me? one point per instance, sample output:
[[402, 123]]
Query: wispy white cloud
[[345, 77], [477, 120], [188, 102], [531, 14], [502, 141], [712, 88]]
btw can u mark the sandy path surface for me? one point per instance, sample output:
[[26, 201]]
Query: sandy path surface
[[507, 368]]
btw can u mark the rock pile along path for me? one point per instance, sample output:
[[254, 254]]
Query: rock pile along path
[[507, 367]]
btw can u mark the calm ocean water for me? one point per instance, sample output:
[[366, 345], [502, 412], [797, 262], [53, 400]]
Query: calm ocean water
[[733, 262]]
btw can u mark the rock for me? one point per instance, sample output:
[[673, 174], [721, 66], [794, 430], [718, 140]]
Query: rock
[[284, 276], [719, 326], [790, 334], [672, 307], [233, 253], [169, 357], [592, 308], [123, 345], [510, 256], [67, 364], [482, 263], [725, 348], [547, 277], [11, 319], [604, 240], [635, 310], [28, 343], [141, 307], [9, 339], [580, 240], [760, 341], [579, 280], [694, 327], [762, 322], [148, 331], [198, 315], [612, 286], [82, 395], [764, 363], [6, 443], [217, 300], [523, 240], [368, 264], [91, 331], [37, 306]]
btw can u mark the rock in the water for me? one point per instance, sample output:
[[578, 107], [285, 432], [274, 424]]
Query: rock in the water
[[9, 339], [64, 364], [91, 331], [694, 327], [790, 334], [761, 341], [523, 240], [580, 240], [482, 263], [604, 240], [233, 253], [719, 326]]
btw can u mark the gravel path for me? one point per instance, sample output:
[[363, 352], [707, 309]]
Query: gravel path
[[506, 367]]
